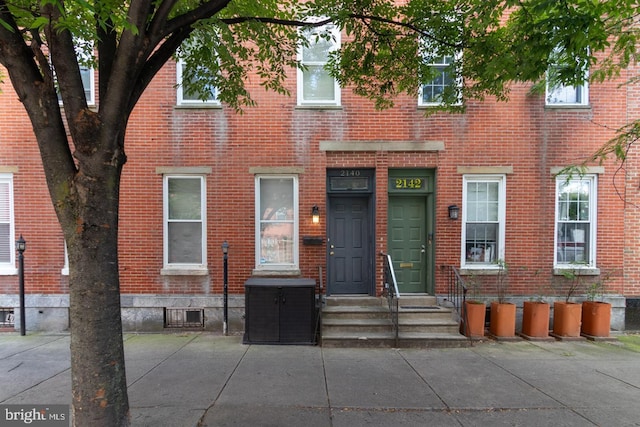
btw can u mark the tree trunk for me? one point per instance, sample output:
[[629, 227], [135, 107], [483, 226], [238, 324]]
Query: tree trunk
[[97, 355], [90, 227]]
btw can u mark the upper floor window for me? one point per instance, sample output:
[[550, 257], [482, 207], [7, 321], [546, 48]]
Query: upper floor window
[[276, 222], [84, 51], [88, 82], [483, 213], [568, 95], [184, 222], [445, 79], [559, 94], [207, 94], [315, 85], [575, 240], [7, 236]]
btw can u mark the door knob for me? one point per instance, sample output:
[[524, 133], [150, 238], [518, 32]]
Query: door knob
[[331, 253], [422, 249]]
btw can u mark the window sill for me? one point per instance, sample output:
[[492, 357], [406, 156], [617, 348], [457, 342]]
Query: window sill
[[489, 270], [561, 270], [568, 107], [294, 272], [184, 272], [203, 106], [318, 107], [8, 271]]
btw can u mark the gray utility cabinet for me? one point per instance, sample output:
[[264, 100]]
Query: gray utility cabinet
[[280, 311]]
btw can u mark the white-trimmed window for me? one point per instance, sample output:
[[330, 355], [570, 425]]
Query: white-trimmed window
[[562, 95], [184, 222], [88, 82], [87, 73], [483, 213], [431, 93], [558, 94], [7, 236], [576, 208], [315, 85], [65, 268], [186, 97], [276, 222]]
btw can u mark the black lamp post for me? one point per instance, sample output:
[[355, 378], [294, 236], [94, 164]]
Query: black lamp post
[[225, 296], [21, 246]]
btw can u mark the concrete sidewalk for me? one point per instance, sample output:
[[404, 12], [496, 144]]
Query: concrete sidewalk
[[184, 379]]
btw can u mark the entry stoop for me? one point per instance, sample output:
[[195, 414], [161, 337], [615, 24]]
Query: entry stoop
[[364, 321]]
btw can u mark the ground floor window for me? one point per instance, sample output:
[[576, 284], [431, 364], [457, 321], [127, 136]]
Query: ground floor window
[[483, 220], [184, 222], [276, 222], [7, 236], [575, 221]]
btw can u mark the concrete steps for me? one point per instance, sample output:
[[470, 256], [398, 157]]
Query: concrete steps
[[363, 321]]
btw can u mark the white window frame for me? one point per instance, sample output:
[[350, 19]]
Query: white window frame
[[91, 90], [442, 65], [335, 34], [191, 102], [293, 266], [556, 96], [65, 268], [184, 268], [9, 267], [501, 179], [590, 262]]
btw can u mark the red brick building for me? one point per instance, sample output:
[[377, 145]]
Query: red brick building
[[198, 174]]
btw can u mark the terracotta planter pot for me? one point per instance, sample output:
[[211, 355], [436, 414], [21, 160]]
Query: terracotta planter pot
[[596, 318], [503, 319], [474, 324], [535, 319], [567, 317]]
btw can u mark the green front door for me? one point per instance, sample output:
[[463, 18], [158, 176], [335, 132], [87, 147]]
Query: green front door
[[408, 242]]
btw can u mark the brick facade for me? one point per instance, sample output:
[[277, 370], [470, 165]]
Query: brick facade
[[522, 136]]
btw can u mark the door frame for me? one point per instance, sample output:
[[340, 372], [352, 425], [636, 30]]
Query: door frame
[[353, 182], [402, 182]]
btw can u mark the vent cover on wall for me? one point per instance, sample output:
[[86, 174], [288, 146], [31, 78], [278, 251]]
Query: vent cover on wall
[[184, 317]]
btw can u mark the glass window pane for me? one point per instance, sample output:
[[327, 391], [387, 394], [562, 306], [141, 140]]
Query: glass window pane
[[481, 243], [276, 243], [317, 51], [85, 73], [318, 85], [185, 198], [185, 242], [573, 243], [5, 243], [276, 199]]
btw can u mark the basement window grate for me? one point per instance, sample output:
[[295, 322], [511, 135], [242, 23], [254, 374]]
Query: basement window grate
[[7, 318], [184, 318]]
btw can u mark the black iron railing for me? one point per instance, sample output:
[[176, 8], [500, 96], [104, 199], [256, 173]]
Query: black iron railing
[[456, 297], [390, 290]]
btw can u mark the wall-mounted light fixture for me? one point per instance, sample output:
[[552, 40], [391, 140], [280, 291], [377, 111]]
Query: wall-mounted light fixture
[[315, 214], [454, 211]]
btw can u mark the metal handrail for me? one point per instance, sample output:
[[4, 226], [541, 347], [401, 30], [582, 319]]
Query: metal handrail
[[457, 296], [390, 289]]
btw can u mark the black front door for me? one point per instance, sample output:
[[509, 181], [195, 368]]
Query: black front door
[[349, 260]]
